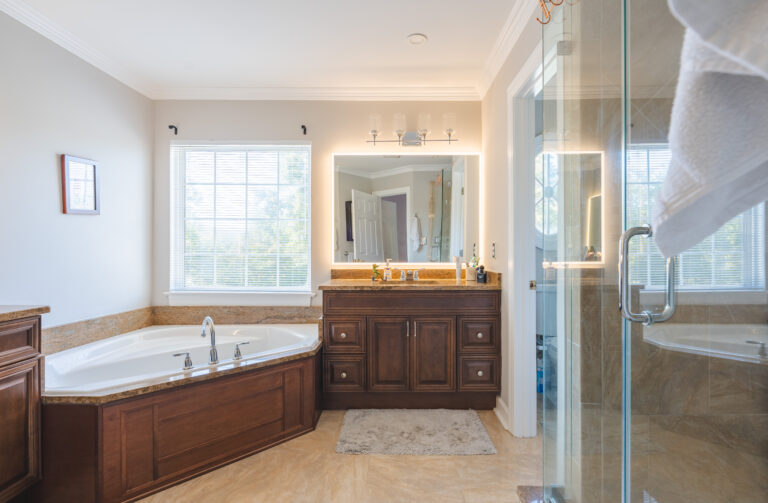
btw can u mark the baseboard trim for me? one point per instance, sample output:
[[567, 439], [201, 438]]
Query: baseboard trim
[[502, 413]]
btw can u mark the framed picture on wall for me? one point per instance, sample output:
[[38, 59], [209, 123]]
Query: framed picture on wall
[[79, 185]]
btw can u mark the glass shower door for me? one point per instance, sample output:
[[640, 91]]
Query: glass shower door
[[677, 411], [696, 385]]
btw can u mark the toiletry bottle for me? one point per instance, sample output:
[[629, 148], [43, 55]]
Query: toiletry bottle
[[482, 277], [459, 262], [388, 271]]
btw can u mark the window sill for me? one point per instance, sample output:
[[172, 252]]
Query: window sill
[[224, 298], [707, 297]]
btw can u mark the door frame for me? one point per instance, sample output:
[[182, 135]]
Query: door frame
[[520, 416]]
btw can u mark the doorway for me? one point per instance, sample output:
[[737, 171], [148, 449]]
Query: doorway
[[517, 409]]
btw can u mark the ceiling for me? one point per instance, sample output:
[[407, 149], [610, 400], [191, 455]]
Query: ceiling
[[290, 49]]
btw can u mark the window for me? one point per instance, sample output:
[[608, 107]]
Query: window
[[733, 258], [241, 218]]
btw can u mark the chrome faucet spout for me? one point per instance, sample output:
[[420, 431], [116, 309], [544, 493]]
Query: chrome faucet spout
[[208, 322]]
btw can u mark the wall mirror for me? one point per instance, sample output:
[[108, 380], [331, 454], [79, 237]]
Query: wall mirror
[[571, 182], [408, 208]]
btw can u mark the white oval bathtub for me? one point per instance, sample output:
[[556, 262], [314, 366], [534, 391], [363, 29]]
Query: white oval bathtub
[[145, 357]]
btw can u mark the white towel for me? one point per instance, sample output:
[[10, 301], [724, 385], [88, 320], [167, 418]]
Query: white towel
[[719, 128], [416, 233]]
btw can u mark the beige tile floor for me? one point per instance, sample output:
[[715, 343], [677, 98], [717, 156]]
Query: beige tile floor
[[307, 469]]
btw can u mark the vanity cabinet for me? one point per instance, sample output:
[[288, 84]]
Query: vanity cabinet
[[20, 378], [411, 348]]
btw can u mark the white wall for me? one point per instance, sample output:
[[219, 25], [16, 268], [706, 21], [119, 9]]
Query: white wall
[[333, 126], [51, 103]]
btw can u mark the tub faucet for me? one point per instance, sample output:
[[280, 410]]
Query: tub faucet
[[208, 321]]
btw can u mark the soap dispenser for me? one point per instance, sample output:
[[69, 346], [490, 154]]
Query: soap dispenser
[[388, 271]]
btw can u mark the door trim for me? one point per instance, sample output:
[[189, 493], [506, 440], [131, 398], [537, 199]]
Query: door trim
[[517, 408]]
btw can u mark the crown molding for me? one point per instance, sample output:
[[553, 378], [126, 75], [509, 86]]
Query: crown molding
[[319, 93], [29, 17], [521, 13], [400, 170]]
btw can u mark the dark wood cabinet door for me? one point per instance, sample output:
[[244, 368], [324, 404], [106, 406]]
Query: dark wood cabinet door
[[388, 353], [19, 427], [433, 354]]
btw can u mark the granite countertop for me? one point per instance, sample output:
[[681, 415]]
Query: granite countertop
[[192, 376], [424, 284], [10, 313]]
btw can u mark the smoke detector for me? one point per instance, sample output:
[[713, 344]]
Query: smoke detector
[[417, 39]]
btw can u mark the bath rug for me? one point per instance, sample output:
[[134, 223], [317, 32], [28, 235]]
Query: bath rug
[[428, 432]]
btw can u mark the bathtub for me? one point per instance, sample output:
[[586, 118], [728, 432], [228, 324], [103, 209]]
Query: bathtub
[[719, 341], [144, 358]]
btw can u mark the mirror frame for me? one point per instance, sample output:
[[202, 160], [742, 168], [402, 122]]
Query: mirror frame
[[411, 265]]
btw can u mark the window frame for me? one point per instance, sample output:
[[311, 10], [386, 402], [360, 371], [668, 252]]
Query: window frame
[[217, 295]]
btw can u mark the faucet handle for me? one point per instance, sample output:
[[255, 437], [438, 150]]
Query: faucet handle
[[238, 354], [187, 359]]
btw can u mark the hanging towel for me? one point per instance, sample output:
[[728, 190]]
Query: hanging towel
[[719, 128], [416, 233]]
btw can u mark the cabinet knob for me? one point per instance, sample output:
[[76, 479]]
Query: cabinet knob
[[479, 373], [480, 335], [343, 335], [343, 375]]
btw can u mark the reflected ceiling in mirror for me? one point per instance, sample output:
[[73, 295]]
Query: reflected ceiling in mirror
[[408, 208]]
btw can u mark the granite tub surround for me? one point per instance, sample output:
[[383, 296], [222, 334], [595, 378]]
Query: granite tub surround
[[13, 312], [234, 315], [196, 375], [55, 339]]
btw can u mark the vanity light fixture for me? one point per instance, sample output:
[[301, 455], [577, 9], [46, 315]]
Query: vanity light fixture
[[416, 138]]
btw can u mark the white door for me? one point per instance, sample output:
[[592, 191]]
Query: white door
[[366, 227], [389, 230]]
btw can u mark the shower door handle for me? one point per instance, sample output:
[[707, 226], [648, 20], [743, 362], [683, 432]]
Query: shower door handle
[[670, 302]]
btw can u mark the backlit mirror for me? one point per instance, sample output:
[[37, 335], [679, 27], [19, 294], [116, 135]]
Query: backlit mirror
[[571, 183], [408, 208]]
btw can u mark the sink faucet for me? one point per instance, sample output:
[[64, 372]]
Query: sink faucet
[[208, 321]]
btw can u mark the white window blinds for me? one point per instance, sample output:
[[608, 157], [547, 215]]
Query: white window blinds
[[733, 258], [241, 218]]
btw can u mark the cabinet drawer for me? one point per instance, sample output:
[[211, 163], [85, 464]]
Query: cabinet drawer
[[344, 373], [480, 373], [478, 335], [19, 340], [345, 335]]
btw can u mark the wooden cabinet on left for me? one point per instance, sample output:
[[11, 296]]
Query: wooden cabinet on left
[[20, 363]]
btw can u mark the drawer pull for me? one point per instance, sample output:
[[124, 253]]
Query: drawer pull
[[343, 335], [480, 335], [343, 375], [479, 373]]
